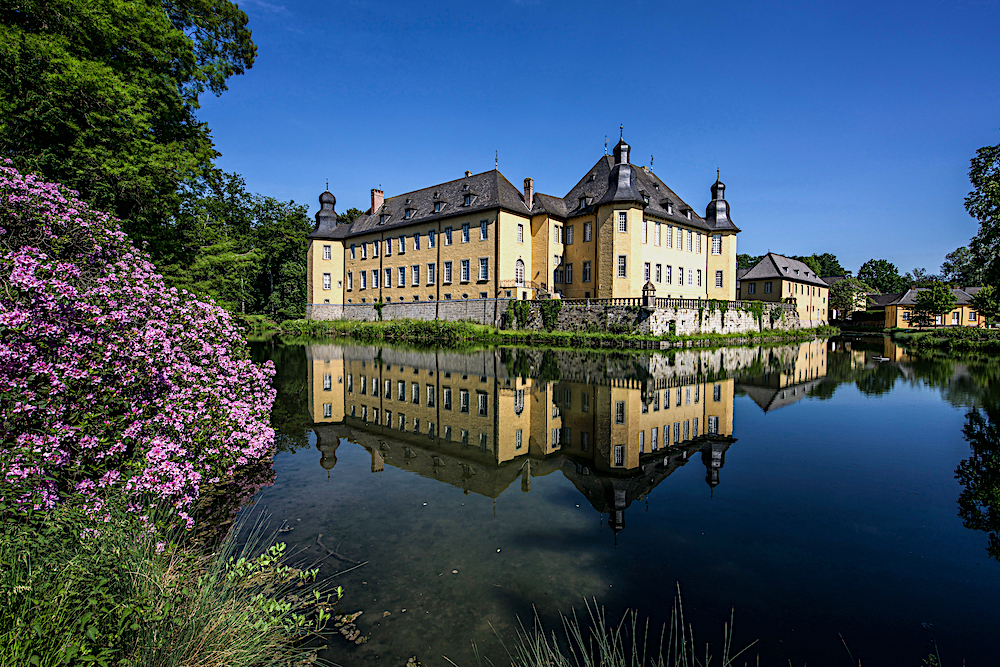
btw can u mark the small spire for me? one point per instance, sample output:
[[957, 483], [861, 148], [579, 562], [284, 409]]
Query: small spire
[[717, 177], [621, 131], [496, 160], [328, 185], [605, 144], [651, 162]]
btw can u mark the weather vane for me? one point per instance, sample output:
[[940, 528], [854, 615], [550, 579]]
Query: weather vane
[[651, 162], [621, 129], [496, 160], [605, 144]]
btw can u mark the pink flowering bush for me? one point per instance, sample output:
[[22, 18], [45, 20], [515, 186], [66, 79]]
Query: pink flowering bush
[[108, 378]]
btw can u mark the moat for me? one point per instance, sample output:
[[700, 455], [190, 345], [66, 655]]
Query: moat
[[815, 488]]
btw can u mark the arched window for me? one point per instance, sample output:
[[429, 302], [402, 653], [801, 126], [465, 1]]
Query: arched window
[[519, 273]]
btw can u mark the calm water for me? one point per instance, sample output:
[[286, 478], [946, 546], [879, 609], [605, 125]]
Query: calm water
[[809, 487]]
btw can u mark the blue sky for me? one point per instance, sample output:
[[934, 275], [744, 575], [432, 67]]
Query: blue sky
[[843, 128]]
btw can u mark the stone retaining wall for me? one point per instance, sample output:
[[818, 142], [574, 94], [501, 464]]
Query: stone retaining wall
[[579, 317]]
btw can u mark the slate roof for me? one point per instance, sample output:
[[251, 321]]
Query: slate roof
[[832, 280], [740, 273], [603, 183], [883, 300], [772, 265], [771, 398], [963, 297], [489, 190]]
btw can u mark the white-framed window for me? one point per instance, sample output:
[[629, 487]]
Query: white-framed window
[[463, 400], [620, 412], [353, 251], [718, 278], [697, 248], [465, 271], [619, 455], [767, 287], [432, 239], [972, 316], [484, 230], [519, 272], [327, 382], [568, 274], [645, 272], [465, 233], [518, 438], [954, 318], [415, 274], [387, 282], [388, 247], [446, 397], [669, 277], [659, 272], [751, 288], [622, 266], [713, 425], [680, 275], [327, 281], [716, 244], [481, 398], [645, 230], [557, 234], [431, 393], [689, 235], [447, 235], [416, 394], [402, 245], [401, 282], [670, 236], [569, 235], [467, 200], [328, 410], [642, 442], [431, 273], [654, 438], [437, 207], [586, 272], [375, 248], [374, 278], [416, 241], [690, 276], [364, 251], [622, 221], [350, 280], [657, 237], [364, 279], [484, 268], [587, 231], [520, 233], [447, 272], [327, 252], [699, 278]]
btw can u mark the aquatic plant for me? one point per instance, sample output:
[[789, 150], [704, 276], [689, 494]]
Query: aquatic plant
[[110, 379]]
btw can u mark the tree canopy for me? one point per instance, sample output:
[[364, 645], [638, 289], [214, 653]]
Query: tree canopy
[[101, 96], [849, 294], [824, 265], [987, 304], [983, 203], [961, 268], [882, 275], [932, 302]]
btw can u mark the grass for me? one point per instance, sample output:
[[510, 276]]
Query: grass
[[624, 644], [439, 333], [959, 339], [78, 591]]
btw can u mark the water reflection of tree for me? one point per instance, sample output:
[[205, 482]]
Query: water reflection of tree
[[290, 415], [979, 502]]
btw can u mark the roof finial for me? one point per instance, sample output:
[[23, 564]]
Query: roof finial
[[717, 173], [605, 144], [328, 185], [496, 159], [621, 129], [651, 162]]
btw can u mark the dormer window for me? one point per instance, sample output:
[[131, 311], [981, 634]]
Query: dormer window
[[645, 198], [381, 219], [437, 207], [687, 214], [670, 208], [583, 202], [408, 213], [593, 177], [467, 201]]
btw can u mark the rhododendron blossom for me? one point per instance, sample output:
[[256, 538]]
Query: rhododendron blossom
[[109, 378]]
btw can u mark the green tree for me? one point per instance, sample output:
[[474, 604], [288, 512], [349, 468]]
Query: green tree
[[932, 302], [811, 262], [849, 294], [961, 268], [829, 265], [350, 215], [983, 203], [745, 261], [246, 251], [987, 304], [882, 275], [101, 96]]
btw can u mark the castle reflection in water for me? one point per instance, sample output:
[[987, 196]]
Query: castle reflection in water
[[615, 425]]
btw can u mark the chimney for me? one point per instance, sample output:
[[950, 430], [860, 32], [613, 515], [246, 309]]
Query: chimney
[[468, 173], [377, 198], [529, 192]]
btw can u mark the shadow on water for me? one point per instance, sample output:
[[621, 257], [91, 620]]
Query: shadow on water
[[483, 486]]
